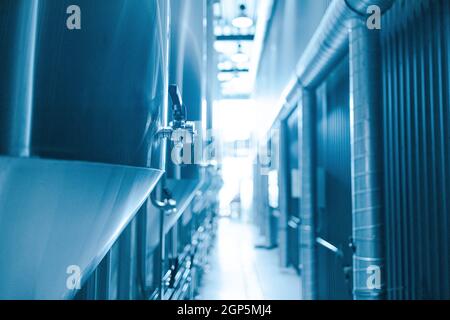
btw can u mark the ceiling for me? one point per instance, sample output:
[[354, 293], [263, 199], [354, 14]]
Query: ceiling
[[235, 47]]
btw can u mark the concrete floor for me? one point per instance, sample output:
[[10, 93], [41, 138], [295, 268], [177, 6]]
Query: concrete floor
[[239, 271]]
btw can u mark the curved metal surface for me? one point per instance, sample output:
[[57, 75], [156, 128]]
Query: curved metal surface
[[308, 248], [209, 188], [55, 214], [186, 67], [183, 192], [99, 92], [186, 53], [330, 42], [367, 160], [328, 45], [361, 6], [18, 20], [185, 70]]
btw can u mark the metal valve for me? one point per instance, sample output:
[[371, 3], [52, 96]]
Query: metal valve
[[180, 131], [167, 204]]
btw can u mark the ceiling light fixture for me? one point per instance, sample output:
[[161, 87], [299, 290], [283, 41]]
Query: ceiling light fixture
[[225, 65], [239, 56], [225, 76], [242, 21]]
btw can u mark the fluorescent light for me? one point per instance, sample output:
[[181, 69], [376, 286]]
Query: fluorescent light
[[242, 21], [225, 47], [225, 65], [225, 76], [240, 56]]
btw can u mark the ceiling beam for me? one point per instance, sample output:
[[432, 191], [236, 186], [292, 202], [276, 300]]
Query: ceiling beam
[[236, 37], [233, 70]]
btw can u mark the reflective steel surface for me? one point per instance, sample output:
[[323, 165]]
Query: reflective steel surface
[[54, 214], [183, 192], [100, 92], [18, 19]]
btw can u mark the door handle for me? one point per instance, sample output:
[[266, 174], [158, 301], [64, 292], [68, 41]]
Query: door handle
[[294, 222], [328, 245]]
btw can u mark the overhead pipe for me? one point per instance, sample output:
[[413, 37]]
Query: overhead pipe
[[329, 44]]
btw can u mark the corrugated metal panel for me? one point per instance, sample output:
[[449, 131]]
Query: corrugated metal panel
[[334, 214], [416, 142], [283, 228], [293, 180]]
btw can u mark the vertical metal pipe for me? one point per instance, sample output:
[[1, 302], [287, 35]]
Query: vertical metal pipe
[[307, 212], [366, 138], [283, 178]]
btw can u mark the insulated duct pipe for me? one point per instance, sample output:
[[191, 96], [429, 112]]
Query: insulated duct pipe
[[307, 211], [329, 44], [366, 154]]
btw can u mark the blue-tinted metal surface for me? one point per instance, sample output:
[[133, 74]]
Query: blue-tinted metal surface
[[100, 92], [308, 209], [367, 171], [18, 24], [293, 190], [55, 214], [283, 48], [334, 198], [416, 77], [185, 70]]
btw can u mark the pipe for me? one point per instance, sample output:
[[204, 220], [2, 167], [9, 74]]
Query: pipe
[[308, 207], [329, 43], [366, 155], [360, 6]]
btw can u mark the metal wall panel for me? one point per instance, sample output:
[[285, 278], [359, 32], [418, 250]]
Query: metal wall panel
[[286, 39], [334, 202], [283, 178], [294, 189], [416, 146]]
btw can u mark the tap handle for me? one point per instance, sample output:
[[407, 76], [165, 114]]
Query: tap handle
[[179, 112], [175, 95]]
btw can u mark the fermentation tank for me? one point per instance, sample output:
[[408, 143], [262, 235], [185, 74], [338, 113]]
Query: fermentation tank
[[185, 71], [79, 112]]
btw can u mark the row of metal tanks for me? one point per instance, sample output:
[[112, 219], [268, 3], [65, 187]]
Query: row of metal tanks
[[98, 102], [353, 177]]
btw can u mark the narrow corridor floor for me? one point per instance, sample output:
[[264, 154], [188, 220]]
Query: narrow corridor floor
[[238, 271]]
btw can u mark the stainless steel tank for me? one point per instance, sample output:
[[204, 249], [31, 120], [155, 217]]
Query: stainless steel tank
[[79, 110], [186, 70]]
